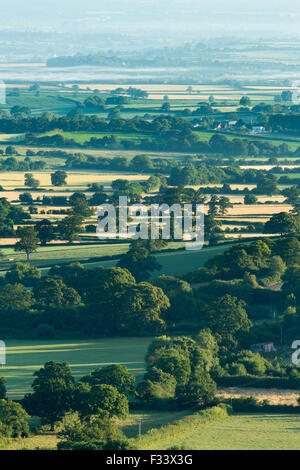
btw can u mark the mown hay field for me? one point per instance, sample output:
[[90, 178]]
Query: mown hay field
[[258, 209], [80, 179], [246, 431], [273, 395]]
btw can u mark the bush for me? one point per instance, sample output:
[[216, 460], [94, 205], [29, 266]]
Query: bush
[[13, 419], [237, 369], [157, 385], [98, 434]]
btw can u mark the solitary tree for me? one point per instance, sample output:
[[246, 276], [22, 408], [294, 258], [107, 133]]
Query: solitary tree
[[59, 178], [166, 107], [30, 181], [250, 199], [245, 101], [28, 241]]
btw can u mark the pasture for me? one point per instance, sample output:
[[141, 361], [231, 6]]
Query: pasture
[[24, 357], [239, 432], [175, 262], [247, 431]]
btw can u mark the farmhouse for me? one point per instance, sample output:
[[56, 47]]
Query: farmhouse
[[226, 125], [258, 129]]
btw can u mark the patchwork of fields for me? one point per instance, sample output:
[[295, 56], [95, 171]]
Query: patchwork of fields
[[24, 357]]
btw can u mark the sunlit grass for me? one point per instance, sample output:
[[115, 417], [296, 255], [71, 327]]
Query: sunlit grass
[[25, 357]]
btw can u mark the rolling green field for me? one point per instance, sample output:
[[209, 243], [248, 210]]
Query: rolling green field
[[243, 432], [204, 136], [293, 143], [238, 432], [47, 100], [84, 137], [175, 262], [178, 262], [24, 357]]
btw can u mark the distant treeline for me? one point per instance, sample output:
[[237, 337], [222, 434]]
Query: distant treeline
[[12, 164], [163, 133]]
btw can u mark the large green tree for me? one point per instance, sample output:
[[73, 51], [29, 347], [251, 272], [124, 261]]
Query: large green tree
[[198, 392], [23, 273], [53, 293], [139, 261], [45, 231], [227, 316], [28, 242], [14, 298], [13, 419], [282, 223], [52, 392], [58, 178], [91, 400], [141, 309], [101, 433], [116, 375], [70, 227]]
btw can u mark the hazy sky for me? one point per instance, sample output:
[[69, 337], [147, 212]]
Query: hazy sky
[[218, 16]]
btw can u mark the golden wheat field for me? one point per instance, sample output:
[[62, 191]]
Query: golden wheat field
[[275, 397], [258, 209], [15, 179], [261, 199]]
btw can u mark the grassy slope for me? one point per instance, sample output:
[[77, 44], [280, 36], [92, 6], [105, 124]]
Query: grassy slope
[[130, 427], [24, 357], [176, 262], [245, 432], [238, 432], [293, 143]]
